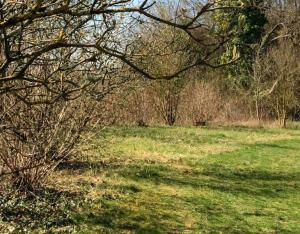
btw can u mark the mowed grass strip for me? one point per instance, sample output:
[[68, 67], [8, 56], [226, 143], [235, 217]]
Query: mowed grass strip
[[190, 180]]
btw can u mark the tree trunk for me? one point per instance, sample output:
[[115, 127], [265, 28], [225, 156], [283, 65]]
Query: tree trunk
[[257, 111], [284, 119]]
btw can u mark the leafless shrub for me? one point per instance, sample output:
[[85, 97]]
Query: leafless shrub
[[201, 102], [139, 106], [35, 139]]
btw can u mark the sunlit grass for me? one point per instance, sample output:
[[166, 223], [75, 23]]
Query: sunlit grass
[[189, 180]]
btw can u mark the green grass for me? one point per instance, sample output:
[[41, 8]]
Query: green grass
[[191, 180], [170, 180]]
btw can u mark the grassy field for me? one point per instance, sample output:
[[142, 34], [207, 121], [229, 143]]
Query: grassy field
[[183, 180], [189, 180]]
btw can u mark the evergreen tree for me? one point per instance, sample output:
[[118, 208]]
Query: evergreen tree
[[245, 21]]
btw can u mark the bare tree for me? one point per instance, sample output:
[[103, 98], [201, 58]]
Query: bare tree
[[286, 70], [276, 68], [55, 51], [78, 41]]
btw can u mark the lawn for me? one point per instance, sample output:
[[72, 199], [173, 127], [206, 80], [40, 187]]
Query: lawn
[[186, 180]]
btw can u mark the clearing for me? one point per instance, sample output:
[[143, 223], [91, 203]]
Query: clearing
[[189, 180], [170, 180]]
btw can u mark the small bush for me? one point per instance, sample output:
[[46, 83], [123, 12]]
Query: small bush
[[35, 139]]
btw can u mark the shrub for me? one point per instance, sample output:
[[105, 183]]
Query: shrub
[[35, 139]]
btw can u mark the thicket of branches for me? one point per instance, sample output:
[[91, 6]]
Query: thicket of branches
[[261, 84], [60, 57], [67, 63]]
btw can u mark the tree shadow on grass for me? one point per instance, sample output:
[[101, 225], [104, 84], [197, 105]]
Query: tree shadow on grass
[[118, 219], [82, 166], [272, 146], [153, 215], [217, 177]]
